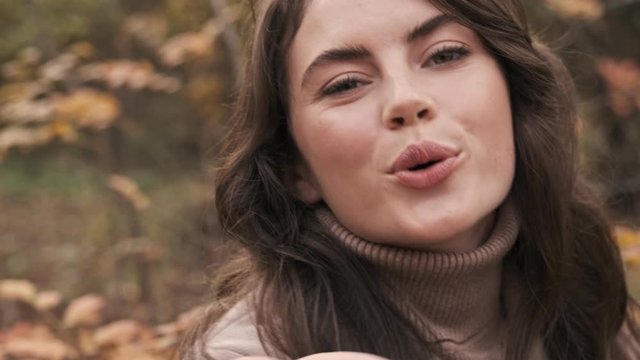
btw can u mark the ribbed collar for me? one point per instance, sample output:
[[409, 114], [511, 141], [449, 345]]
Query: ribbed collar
[[455, 299]]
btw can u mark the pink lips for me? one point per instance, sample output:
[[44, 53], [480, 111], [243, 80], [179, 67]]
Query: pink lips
[[424, 165]]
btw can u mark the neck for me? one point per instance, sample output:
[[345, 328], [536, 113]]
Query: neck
[[451, 297], [466, 241]]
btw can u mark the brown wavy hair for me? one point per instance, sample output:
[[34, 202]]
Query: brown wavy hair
[[316, 297]]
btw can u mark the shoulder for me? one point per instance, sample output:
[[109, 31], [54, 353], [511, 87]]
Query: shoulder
[[626, 346], [234, 335]]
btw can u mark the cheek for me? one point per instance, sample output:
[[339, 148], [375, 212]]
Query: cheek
[[499, 152], [498, 141], [340, 138], [498, 134], [492, 131], [484, 114]]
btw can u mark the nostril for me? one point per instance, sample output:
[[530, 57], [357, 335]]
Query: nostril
[[422, 113]]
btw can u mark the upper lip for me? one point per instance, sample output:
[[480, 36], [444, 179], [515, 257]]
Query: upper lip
[[421, 153]]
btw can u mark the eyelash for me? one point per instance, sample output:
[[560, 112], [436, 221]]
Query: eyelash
[[351, 82], [348, 83], [459, 51]]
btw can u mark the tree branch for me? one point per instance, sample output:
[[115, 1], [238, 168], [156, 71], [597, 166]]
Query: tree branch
[[230, 34]]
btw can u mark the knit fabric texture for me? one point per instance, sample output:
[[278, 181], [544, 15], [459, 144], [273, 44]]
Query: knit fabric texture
[[455, 299], [460, 301]]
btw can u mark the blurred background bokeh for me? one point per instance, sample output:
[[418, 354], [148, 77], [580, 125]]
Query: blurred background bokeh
[[110, 116]]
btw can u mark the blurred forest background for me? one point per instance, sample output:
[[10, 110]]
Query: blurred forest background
[[110, 114]]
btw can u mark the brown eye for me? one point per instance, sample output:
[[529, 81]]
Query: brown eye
[[342, 86], [447, 54]]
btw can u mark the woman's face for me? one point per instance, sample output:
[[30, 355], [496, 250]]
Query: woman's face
[[403, 121]]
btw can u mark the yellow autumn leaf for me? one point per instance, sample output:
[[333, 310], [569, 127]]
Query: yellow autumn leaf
[[619, 75], [24, 138], [129, 190], [87, 310], [19, 290], [21, 91], [631, 256], [88, 108], [166, 84], [58, 68], [47, 300], [86, 342], [49, 349], [117, 333], [134, 75], [629, 241], [189, 318], [63, 130], [24, 66], [194, 45], [83, 49], [626, 237], [587, 9], [622, 80], [26, 111], [186, 47], [150, 28], [20, 103], [131, 352], [30, 55]]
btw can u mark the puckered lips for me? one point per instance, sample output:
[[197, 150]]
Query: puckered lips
[[424, 164]]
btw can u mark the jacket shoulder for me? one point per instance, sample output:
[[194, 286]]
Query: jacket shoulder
[[234, 335], [626, 346]]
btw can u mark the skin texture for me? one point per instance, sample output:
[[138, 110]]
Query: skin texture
[[443, 87]]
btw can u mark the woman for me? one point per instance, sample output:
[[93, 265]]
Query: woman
[[401, 179]]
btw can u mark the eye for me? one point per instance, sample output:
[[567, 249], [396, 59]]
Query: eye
[[447, 54], [342, 86]]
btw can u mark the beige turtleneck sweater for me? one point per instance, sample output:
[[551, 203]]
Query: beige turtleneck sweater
[[455, 299], [460, 301]]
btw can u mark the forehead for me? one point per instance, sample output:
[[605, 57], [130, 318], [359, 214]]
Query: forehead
[[332, 17], [333, 23]]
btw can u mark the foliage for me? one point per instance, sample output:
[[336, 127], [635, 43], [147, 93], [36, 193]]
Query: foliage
[[588, 9], [82, 331], [101, 136], [622, 81], [629, 242]]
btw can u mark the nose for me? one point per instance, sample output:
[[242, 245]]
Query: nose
[[406, 104]]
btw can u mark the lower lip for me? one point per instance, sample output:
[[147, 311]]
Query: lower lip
[[431, 176]]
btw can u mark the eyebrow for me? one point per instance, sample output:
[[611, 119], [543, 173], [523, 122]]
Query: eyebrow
[[353, 53], [427, 27], [348, 53]]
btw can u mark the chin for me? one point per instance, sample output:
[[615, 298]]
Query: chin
[[451, 231]]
